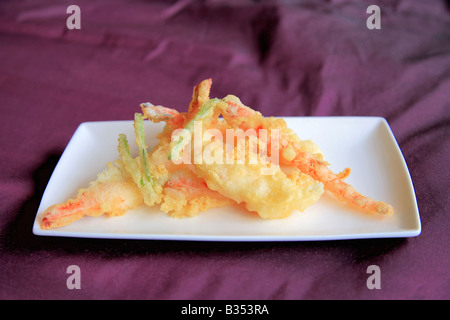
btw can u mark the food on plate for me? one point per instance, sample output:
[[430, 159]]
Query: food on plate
[[114, 193], [305, 156], [218, 153], [144, 173]]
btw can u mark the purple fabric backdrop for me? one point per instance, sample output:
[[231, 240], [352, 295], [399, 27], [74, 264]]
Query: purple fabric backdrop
[[286, 58]]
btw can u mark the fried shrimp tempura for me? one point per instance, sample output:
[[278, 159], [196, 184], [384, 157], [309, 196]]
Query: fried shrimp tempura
[[304, 155], [113, 193]]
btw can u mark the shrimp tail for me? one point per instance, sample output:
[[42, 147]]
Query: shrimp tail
[[199, 96], [63, 214], [343, 191]]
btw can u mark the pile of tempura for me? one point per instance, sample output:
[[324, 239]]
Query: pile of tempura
[[219, 153]]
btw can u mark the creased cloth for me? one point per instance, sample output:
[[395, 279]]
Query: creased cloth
[[283, 58]]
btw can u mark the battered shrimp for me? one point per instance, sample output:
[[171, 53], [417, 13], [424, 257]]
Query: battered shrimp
[[158, 113], [237, 115], [112, 193], [341, 190], [304, 155]]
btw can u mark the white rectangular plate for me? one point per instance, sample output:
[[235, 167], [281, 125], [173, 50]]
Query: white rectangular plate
[[365, 144]]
